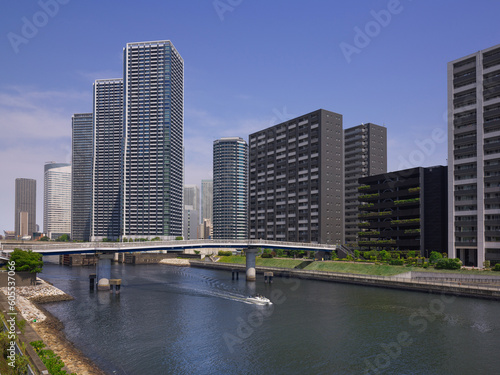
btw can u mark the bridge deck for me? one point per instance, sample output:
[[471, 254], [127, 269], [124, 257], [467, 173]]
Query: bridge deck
[[90, 247]]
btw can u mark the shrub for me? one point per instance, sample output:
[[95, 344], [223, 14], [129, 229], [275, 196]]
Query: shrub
[[497, 267], [49, 358], [426, 265], [385, 255], [396, 262], [435, 256], [223, 253], [411, 254], [266, 255], [280, 252], [448, 264], [356, 254], [486, 264]]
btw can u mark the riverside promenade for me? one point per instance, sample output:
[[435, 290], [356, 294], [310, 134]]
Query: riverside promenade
[[448, 283]]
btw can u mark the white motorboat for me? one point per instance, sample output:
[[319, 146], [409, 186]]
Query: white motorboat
[[259, 300]]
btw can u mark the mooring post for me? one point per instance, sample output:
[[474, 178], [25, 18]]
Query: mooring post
[[268, 277], [114, 285], [92, 278], [235, 272]]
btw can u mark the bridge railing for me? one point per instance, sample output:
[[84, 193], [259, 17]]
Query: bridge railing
[[92, 246]]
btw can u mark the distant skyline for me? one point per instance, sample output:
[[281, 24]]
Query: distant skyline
[[247, 67]]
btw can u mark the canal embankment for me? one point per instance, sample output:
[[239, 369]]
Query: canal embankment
[[430, 282], [42, 325]]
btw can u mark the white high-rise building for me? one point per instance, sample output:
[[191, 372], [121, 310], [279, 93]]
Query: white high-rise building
[[207, 199], [153, 140], [192, 196], [474, 157], [57, 199]]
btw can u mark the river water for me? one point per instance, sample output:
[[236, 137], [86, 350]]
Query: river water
[[171, 320]]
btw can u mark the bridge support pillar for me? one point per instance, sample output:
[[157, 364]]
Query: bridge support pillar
[[104, 271], [250, 255]]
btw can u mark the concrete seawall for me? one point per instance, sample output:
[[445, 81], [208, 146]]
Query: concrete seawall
[[405, 283]]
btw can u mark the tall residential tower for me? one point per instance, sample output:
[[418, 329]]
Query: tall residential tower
[[81, 176], [365, 154], [230, 202], [108, 166], [153, 140], [474, 157]]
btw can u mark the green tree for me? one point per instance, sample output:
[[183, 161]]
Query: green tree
[[357, 254], [63, 238], [27, 261], [45, 238]]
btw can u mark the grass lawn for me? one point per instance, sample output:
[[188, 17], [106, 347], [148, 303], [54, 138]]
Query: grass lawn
[[266, 262], [346, 267], [359, 268]]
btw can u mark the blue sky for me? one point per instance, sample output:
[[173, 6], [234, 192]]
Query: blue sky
[[249, 64]]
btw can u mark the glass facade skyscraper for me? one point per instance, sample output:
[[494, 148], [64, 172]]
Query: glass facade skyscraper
[[230, 189], [57, 199], [81, 176], [108, 166], [153, 140]]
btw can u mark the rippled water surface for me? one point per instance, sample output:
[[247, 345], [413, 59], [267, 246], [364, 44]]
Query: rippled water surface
[[170, 320]]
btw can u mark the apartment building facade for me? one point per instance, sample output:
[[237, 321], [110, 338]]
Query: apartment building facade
[[365, 154], [230, 189], [474, 157], [82, 149], [296, 190], [153, 140], [107, 169]]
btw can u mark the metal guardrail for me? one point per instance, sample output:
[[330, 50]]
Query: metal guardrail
[[93, 246]]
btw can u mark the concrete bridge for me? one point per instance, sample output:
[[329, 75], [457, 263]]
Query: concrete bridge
[[251, 247]]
